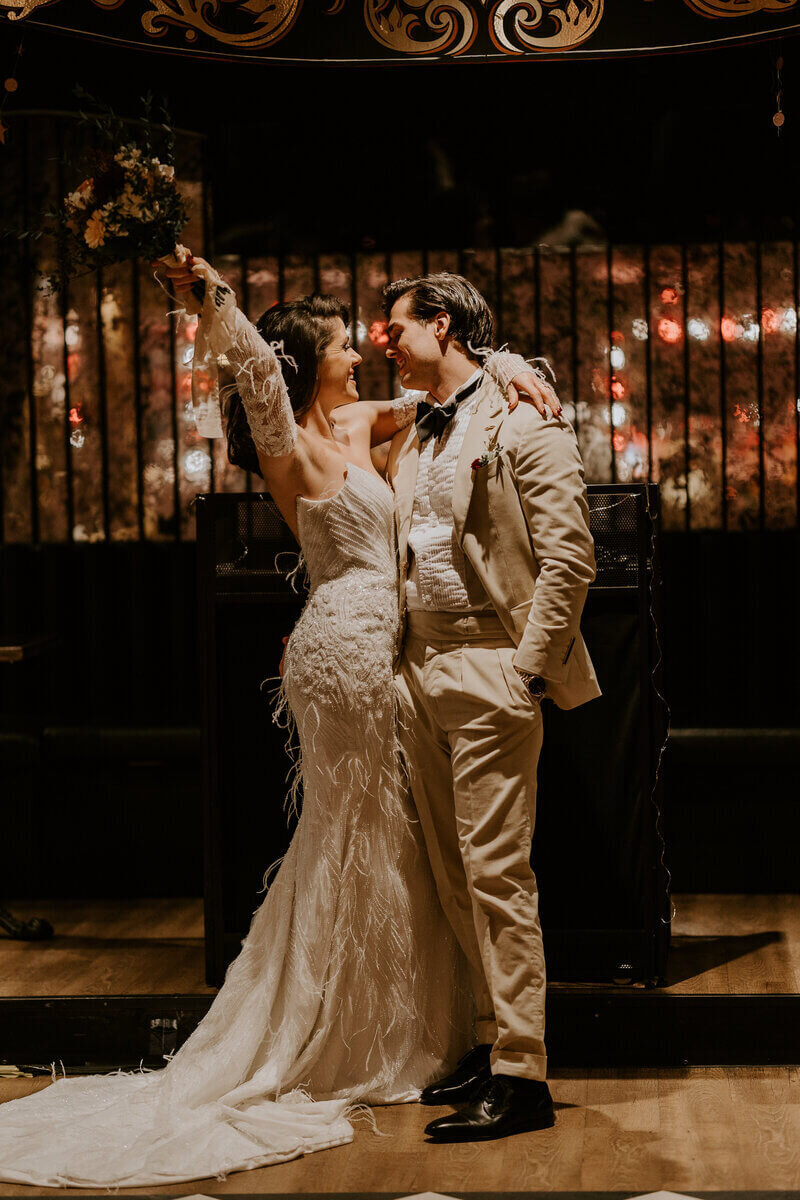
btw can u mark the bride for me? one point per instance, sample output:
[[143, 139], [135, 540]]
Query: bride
[[348, 988]]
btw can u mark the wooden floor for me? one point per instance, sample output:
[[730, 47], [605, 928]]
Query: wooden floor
[[108, 948], [709, 1129], [735, 945], [720, 944]]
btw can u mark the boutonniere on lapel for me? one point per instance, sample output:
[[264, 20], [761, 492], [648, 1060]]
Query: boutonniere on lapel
[[490, 454]]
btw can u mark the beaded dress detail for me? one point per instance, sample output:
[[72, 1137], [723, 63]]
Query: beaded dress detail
[[348, 987]]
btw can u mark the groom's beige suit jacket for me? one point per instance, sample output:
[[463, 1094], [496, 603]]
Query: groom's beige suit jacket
[[523, 524]]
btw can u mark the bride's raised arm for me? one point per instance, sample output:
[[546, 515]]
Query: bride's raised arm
[[224, 329]]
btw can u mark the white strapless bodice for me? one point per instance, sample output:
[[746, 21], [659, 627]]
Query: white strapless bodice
[[352, 530]]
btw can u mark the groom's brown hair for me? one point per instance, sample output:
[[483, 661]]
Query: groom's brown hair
[[471, 320]]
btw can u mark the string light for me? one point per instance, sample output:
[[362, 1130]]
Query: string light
[[196, 464], [669, 330], [730, 329], [697, 329], [789, 321]]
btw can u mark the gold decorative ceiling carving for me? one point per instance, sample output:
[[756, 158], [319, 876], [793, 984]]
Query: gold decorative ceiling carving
[[397, 29]]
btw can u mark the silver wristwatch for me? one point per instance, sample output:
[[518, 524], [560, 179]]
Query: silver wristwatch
[[537, 687]]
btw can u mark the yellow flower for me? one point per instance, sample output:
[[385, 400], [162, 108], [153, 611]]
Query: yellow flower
[[95, 232]]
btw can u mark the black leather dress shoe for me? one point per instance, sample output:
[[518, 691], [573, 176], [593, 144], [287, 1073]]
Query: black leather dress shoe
[[504, 1105], [472, 1071]]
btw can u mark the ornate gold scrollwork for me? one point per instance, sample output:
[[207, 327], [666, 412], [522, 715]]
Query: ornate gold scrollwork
[[25, 7], [421, 26], [270, 19], [543, 24], [738, 8]]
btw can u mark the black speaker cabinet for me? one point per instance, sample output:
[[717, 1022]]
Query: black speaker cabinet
[[598, 847]]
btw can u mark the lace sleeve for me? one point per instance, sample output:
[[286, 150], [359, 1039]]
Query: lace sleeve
[[224, 329], [504, 366]]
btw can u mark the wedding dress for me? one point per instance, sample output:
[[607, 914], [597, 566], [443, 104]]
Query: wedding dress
[[348, 988]]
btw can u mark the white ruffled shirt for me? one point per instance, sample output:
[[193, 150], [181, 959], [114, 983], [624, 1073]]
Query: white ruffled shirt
[[437, 571]]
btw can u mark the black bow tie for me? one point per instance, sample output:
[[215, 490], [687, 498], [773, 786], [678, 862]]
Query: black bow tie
[[433, 419]]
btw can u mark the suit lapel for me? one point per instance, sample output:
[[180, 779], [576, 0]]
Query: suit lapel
[[482, 432], [404, 482]]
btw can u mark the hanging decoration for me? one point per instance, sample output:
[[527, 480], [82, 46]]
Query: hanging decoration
[[778, 117], [371, 31], [10, 86]]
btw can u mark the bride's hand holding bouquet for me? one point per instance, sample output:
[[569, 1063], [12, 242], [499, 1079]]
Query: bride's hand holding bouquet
[[185, 275]]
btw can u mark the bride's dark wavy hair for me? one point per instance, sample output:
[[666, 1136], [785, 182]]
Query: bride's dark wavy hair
[[305, 327]]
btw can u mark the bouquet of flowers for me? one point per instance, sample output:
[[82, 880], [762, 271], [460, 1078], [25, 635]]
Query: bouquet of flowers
[[130, 208]]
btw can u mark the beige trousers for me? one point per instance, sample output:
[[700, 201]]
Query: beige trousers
[[471, 736]]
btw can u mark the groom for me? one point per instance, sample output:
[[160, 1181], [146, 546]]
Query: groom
[[495, 562]]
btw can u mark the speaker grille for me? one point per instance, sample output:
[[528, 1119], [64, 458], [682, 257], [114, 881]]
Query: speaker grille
[[252, 539], [615, 521]]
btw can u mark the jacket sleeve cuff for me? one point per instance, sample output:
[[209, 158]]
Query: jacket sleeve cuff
[[545, 652]]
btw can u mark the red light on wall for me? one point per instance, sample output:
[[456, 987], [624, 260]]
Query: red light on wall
[[669, 330], [617, 336], [669, 295], [75, 417], [73, 365], [377, 333], [729, 329], [619, 442], [770, 320], [191, 331], [617, 389]]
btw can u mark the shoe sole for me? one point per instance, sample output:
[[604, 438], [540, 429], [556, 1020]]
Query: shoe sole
[[490, 1135]]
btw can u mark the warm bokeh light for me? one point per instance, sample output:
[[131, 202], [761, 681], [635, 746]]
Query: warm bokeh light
[[669, 330], [377, 333], [730, 329]]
